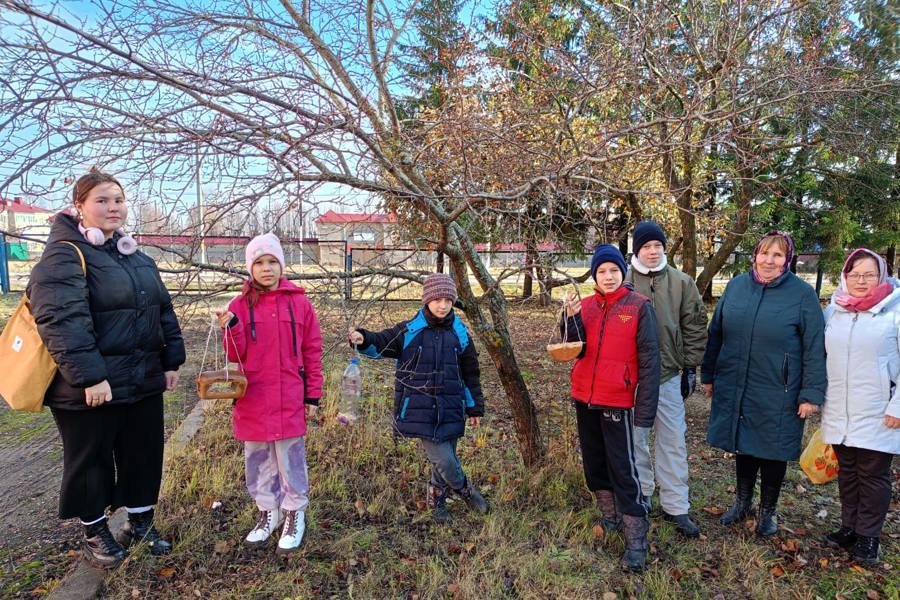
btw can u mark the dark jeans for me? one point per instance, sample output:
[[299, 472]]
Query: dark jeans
[[112, 456], [606, 436], [864, 482]]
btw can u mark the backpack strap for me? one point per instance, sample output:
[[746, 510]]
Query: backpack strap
[[80, 257]]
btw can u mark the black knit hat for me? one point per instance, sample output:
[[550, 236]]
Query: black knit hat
[[607, 253], [644, 232]]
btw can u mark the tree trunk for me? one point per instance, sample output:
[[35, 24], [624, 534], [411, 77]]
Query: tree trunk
[[494, 334], [439, 264], [530, 259], [688, 233], [731, 241], [525, 417], [674, 247], [891, 259]]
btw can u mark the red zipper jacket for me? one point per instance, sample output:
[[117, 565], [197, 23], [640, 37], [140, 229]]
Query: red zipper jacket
[[619, 366]]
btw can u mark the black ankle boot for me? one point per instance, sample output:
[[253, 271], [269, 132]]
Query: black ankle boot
[[139, 528], [866, 550], [844, 538], [743, 502], [99, 546], [767, 520]]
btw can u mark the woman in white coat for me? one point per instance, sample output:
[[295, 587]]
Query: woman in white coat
[[861, 418]]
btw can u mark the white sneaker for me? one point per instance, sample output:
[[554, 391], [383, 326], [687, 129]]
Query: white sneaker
[[292, 534], [269, 520]]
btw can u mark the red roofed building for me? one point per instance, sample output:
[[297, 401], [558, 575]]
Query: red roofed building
[[18, 217]]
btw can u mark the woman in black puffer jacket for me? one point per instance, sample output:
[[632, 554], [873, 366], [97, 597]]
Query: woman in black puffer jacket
[[115, 337]]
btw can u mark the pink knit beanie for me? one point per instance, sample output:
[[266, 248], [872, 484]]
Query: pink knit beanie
[[261, 245], [438, 285]]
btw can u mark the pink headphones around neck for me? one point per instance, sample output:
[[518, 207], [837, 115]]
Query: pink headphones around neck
[[125, 245]]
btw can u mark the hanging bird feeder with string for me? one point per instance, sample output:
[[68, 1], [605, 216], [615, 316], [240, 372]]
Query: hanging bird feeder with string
[[225, 383], [564, 351]]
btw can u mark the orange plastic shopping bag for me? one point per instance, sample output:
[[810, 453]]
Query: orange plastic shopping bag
[[818, 460]]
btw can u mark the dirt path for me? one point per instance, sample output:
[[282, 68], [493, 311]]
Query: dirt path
[[37, 548], [30, 471]]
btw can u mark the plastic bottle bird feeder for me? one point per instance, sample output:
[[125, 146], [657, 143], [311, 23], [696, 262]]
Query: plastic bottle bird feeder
[[224, 384]]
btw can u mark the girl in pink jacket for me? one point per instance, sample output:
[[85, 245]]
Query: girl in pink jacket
[[272, 330]]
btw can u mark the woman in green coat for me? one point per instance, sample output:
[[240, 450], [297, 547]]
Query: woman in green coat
[[764, 369]]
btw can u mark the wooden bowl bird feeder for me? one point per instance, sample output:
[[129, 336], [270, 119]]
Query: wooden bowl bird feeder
[[564, 351], [225, 383]]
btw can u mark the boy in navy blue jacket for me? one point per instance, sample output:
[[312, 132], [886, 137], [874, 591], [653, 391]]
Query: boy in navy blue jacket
[[438, 385]]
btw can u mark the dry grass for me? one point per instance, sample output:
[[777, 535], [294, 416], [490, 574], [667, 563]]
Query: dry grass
[[369, 535]]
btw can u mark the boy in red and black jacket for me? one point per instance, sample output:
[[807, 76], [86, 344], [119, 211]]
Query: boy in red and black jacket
[[615, 387]]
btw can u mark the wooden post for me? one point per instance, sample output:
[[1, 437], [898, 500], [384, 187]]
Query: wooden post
[[4, 266]]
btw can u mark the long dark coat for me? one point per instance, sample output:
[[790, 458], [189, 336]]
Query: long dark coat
[[765, 356]]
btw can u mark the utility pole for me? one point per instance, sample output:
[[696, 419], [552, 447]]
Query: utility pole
[[200, 212]]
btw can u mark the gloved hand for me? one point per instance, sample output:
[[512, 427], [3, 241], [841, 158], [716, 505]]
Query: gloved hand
[[688, 382]]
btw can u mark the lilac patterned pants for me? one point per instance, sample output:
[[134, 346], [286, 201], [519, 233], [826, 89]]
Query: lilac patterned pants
[[276, 474]]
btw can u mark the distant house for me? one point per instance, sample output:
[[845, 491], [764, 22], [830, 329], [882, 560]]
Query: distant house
[[18, 217], [364, 233]]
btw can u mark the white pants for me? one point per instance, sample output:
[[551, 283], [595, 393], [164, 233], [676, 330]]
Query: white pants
[[276, 474], [670, 450]]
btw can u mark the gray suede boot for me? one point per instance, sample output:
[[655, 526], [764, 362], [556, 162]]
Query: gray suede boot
[[609, 515], [635, 530]]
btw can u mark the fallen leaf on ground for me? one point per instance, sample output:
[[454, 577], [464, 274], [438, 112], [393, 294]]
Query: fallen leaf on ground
[[166, 572], [610, 596], [873, 595], [709, 571], [777, 571], [714, 510]]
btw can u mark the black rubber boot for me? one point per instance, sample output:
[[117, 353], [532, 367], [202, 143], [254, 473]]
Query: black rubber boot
[[437, 501], [767, 520], [683, 524], [635, 531], [100, 547], [743, 502], [866, 550], [474, 500], [609, 515], [139, 528], [844, 538]]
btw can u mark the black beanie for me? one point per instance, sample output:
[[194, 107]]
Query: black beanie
[[644, 232], [607, 253]]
